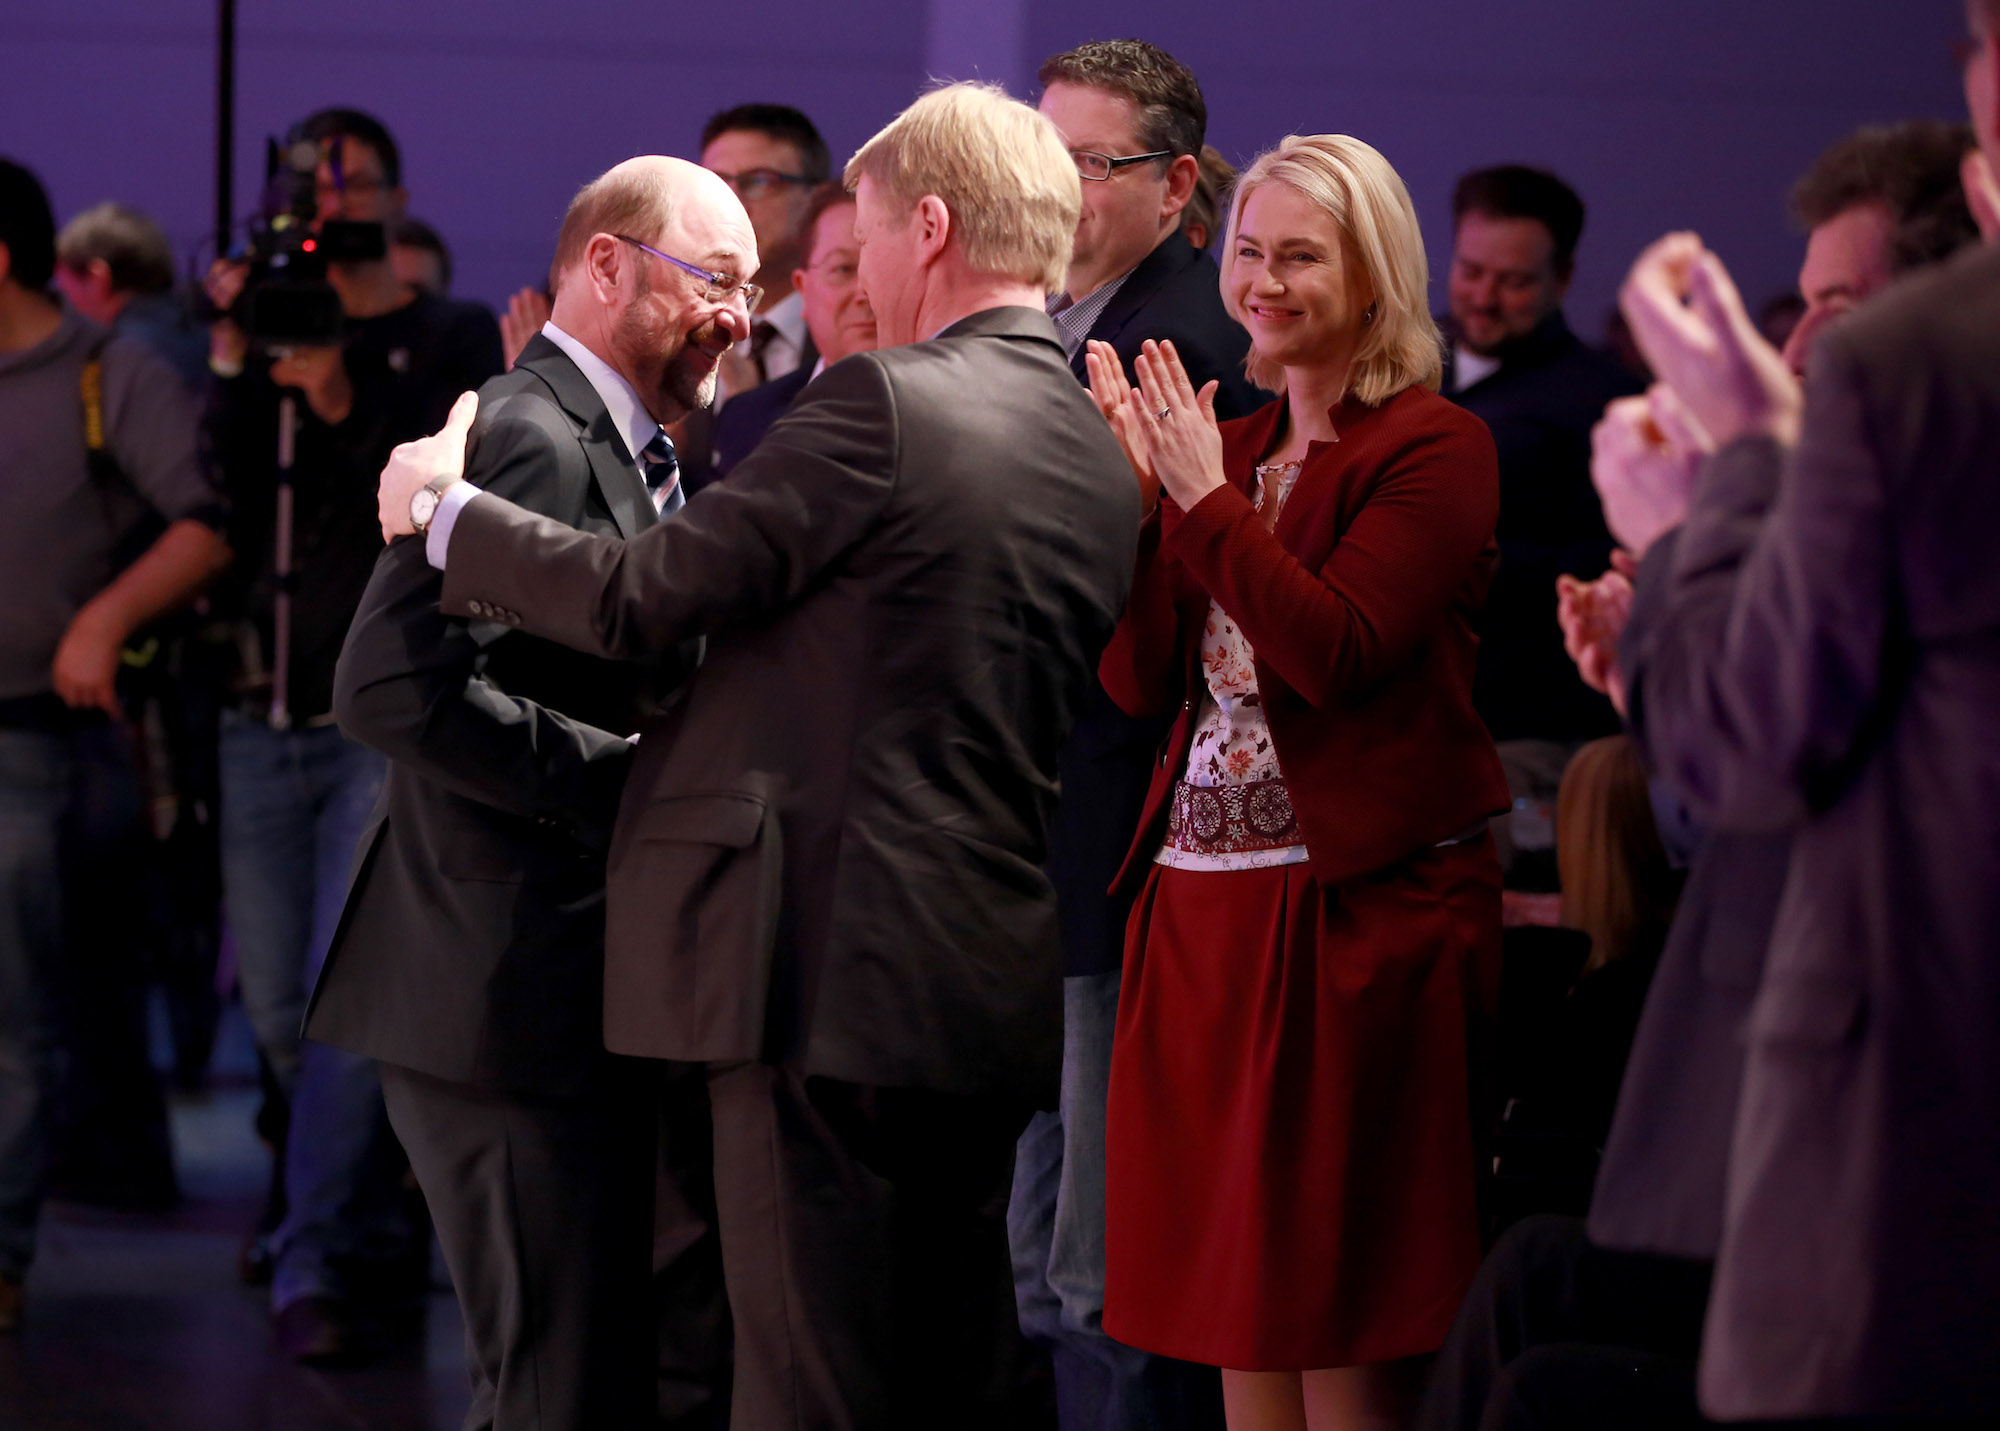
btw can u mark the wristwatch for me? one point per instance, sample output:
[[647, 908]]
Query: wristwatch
[[424, 502]]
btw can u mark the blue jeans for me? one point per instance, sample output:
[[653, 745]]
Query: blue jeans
[[294, 804], [1055, 1229], [35, 771]]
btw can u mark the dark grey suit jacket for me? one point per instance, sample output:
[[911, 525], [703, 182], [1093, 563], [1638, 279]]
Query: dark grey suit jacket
[[1660, 1187], [831, 854], [471, 946], [1851, 693]]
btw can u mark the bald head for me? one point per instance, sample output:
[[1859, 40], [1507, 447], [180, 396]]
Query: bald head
[[653, 198]]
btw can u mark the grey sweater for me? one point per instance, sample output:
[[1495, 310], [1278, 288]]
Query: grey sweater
[[61, 530]]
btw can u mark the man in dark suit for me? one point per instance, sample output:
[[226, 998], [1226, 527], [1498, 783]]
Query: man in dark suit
[[469, 959], [1512, 360], [1131, 276], [837, 318], [826, 883]]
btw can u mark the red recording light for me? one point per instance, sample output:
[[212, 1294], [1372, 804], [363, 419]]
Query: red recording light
[[309, 245]]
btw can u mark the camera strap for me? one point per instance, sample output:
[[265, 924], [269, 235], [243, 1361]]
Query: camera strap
[[109, 480]]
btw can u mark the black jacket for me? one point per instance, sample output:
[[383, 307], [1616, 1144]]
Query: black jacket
[[1549, 391], [471, 946], [830, 856], [742, 424], [1176, 293]]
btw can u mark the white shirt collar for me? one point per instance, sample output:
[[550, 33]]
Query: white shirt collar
[[620, 398], [788, 316], [1469, 367]]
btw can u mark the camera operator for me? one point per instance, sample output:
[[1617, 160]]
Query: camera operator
[[295, 793]]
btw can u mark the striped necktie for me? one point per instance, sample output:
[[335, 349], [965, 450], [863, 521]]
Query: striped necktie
[[662, 470]]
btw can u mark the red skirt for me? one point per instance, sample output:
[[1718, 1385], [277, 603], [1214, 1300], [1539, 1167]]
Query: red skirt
[[1290, 1152]]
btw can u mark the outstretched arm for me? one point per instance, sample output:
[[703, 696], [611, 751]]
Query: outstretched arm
[[813, 487], [409, 681]]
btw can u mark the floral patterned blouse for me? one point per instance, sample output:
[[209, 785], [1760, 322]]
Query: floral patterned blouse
[[1231, 810]]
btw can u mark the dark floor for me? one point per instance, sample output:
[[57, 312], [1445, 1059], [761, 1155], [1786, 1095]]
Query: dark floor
[[138, 1320]]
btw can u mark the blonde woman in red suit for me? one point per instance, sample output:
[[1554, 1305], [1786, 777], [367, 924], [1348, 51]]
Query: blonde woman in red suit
[[1291, 1150]]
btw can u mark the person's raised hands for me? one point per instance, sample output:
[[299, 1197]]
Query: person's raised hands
[[439, 458], [1119, 402], [1645, 454], [1183, 442], [1592, 615], [526, 311], [1690, 323]]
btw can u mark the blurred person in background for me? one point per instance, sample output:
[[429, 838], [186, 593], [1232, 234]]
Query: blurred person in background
[[116, 268], [1211, 184], [108, 520], [1314, 953], [296, 793], [1515, 364], [420, 256], [1604, 1320], [837, 316]]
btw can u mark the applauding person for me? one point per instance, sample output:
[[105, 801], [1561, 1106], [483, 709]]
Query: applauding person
[[1291, 1128]]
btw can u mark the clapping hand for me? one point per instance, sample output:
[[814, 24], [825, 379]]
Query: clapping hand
[[1119, 402], [1592, 615], [415, 465], [1645, 453], [526, 311], [1183, 443], [1690, 322]]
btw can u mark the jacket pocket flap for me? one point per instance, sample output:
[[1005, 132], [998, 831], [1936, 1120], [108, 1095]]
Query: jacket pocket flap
[[1805, 1011], [718, 819]]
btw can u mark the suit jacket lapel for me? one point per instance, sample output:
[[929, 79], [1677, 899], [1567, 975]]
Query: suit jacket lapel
[[616, 473]]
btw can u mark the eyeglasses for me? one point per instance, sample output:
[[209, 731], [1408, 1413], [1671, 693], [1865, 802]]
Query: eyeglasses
[[756, 183], [722, 287], [1092, 165], [835, 272]]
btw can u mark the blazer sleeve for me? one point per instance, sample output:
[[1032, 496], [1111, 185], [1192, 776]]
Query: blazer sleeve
[[814, 486], [408, 681], [1141, 667], [1765, 674], [1392, 577]]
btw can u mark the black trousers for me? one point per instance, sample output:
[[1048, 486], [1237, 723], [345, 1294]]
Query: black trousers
[[545, 1209], [864, 1242], [1556, 1331]]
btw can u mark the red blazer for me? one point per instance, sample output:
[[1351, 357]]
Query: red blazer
[[1360, 607]]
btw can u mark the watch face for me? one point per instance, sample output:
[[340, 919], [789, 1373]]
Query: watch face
[[423, 506]]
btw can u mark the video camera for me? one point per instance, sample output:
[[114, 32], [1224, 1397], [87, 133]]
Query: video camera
[[286, 301]]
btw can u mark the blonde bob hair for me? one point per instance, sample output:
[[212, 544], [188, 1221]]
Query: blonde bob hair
[[1367, 202], [1001, 169]]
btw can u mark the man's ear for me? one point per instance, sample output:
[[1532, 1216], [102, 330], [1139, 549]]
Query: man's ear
[[1181, 177], [6, 263], [799, 279], [604, 266], [934, 233]]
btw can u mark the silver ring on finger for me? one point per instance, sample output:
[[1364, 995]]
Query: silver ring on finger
[[1163, 414]]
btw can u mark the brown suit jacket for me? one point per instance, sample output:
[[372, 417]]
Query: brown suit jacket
[[831, 854], [1850, 694]]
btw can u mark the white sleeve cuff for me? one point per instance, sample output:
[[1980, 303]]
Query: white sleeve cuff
[[437, 536]]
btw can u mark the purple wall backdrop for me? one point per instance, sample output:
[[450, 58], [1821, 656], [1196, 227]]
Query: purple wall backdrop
[[1664, 113]]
